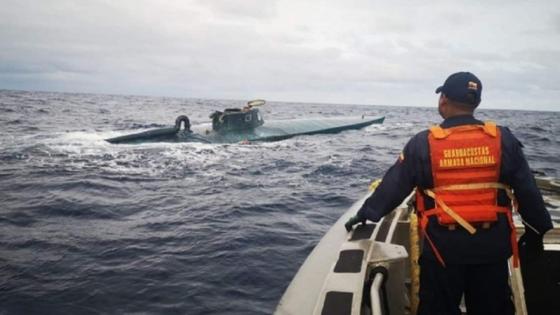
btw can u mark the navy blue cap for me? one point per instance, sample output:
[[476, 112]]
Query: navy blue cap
[[463, 87]]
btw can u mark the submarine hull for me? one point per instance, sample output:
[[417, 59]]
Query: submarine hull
[[271, 131]]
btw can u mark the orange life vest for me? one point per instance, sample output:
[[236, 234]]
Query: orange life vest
[[465, 168]]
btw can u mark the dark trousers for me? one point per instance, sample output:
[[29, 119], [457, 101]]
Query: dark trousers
[[485, 286]]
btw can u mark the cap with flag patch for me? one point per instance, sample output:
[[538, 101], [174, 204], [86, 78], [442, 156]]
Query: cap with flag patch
[[463, 87]]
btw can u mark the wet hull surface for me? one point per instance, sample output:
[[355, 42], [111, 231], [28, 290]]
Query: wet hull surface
[[270, 131]]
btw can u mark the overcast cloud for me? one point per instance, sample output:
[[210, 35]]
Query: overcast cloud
[[325, 51]]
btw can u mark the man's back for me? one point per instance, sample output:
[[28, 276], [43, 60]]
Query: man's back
[[414, 169], [466, 219]]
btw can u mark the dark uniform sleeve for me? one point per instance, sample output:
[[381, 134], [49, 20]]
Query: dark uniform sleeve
[[517, 174], [395, 186]]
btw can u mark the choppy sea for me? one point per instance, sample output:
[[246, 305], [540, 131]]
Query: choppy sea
[[88, 227]]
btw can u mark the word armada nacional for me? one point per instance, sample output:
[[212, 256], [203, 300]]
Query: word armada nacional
[[473, 156]]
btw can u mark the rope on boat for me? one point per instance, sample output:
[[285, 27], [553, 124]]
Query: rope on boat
[[414, 267], [374, 184], [414, 255]]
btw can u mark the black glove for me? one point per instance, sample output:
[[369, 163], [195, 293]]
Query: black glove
[[353, 221], [530, 246]]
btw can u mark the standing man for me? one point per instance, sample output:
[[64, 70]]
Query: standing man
[[464, 171]]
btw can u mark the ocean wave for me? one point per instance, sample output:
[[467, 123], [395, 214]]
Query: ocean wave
[[94, 227]]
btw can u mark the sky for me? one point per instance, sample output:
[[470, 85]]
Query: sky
[[319, 51]]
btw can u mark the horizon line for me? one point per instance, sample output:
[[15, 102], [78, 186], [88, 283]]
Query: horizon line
[[274, 101]]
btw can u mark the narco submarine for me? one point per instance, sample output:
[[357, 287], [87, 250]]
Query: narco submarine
[[246, 124]]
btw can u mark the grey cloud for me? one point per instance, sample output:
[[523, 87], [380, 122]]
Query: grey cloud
[[358, 52], [241, 8], [556, 23]]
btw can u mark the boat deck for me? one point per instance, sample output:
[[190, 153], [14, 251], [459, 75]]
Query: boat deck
[[373, 270]]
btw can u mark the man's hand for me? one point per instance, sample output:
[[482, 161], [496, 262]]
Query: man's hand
[[530, 246], [353, 221]]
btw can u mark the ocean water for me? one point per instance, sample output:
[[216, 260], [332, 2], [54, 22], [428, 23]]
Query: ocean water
[[87, 227]]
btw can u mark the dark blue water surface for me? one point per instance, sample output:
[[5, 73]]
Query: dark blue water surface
[[87, 227]]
